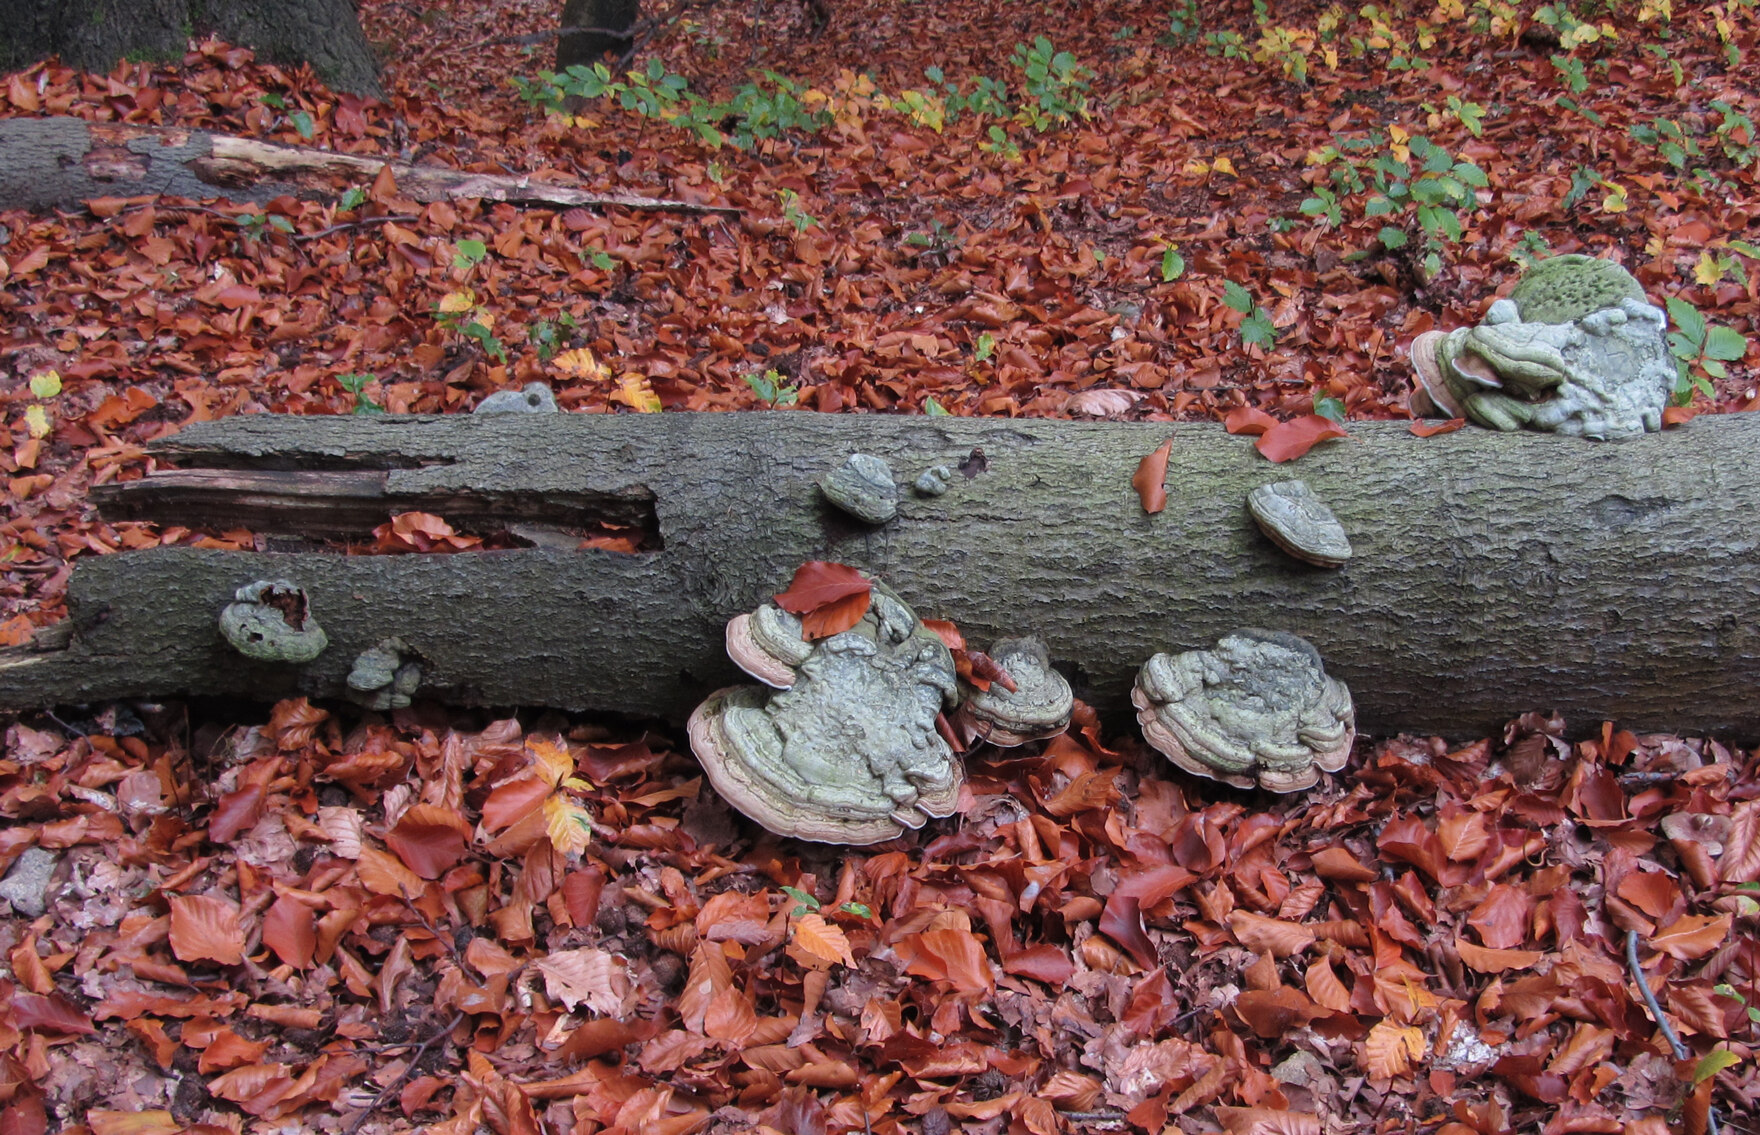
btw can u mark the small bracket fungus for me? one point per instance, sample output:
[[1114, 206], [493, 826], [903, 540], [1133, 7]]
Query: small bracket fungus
[[848, 752], [933, 481], [271, 621], [1038, 707], [862, 487], [768, 645], [1575, 349], [534, 399], [1258, 709], [381, 679], [1298, 522]]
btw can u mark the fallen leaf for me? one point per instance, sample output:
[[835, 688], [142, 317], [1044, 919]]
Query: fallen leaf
[[568, 824], [830, 598], [1390, 1049], [1248, 420], [1150, 478], [822, 939], [1692, 936], [429, 839], [594, 978], [206, 929], [1101, 403], [1431, 428], [1289, 440]]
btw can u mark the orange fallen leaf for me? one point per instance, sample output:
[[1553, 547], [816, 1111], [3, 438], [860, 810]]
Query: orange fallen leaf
[[1692, 936], [821, 939], [1678, 416], [1431, 428], [1150, 478], [830, 598], [1495, 961], [206, 929], [1248, 420], [1390, 1049], [1289, 440]]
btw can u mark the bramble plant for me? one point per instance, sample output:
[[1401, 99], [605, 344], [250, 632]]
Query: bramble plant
[[771, 389], [1056, 85], [1399, 173], [1700, 350], [1256, 328]]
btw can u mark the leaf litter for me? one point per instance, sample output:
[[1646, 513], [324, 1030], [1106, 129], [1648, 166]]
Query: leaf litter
[[433, 923]]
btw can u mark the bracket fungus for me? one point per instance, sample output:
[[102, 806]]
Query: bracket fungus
[[271, 621], [863, 487], [1297, 521], [1575, 349], [848, 751], [1039, 706], [381, 679], [933, 481], [1256, 709]]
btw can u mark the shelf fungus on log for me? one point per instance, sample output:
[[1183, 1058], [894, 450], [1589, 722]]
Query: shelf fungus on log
[[863, 487], [271, 621], [1575, 349], [848, 751], [1256, 709], [1297, 521], [1037, 707], [382, 678]]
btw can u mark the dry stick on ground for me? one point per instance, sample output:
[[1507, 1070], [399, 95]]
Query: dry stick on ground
[[61, 161], [1680, 1050], [409, 1069]]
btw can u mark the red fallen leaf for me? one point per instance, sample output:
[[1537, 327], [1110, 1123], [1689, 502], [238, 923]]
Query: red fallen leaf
[[1287, 441], [1431, 428], [204, 928], [830, 598], [949, 954], [948, 633], [290, 928], [240, 810], [1150, 479], [25, 1115], [420, 532], [1495, 961], [1044, 962], [978, 670], [49, 1014], [1692, 936], [1502, 917], [1122, 920], [237, 296], [1678, 416], [513, 801], [1248, 420], [1274, 1012], [429, 840]]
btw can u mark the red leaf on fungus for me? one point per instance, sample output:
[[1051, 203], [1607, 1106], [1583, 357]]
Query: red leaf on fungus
[[830, 598], [948, 633], [1150, 477], [1248, 420], [1289, 440]]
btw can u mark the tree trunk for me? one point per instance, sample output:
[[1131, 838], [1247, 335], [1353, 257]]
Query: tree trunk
[[93, 34], [62, 161], [1492, 574], [591, 28]]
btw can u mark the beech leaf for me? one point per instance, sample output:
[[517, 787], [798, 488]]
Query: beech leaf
[[1150, 479], [1289, 440], [833, 596]]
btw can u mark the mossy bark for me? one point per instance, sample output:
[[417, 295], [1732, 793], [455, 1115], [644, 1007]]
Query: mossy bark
[[93, 35], [1493, 573]]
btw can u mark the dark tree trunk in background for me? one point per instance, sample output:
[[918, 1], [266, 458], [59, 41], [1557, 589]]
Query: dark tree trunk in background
[[94, 34], [602, 21]]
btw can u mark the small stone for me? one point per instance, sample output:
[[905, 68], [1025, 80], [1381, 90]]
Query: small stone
[[1298, 522], [534, 399], [862, 487], [934, 481], [26, 886]]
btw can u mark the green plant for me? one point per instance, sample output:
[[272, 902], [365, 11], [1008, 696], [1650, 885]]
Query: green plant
[[940, 240], [805, 903], [545, 338], [1183, 24], [459, 312], [1400, 173], [1055, 83], [1173, 265], [767, 109], [792, 211], [985, 348], [1735, 135], [1530, 248], [352, 198], [935, 409], [999, 143], [1332, 409], [1324, 203], [1471, 115], [1570, 69], [1227, 44], [467, 254], [1700, 350], [1256, 326], [356, 384], [771, 388]]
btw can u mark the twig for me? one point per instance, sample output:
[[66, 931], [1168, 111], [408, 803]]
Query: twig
[[409, 1070], [446, 942], [1674, 1042], [336, 228]]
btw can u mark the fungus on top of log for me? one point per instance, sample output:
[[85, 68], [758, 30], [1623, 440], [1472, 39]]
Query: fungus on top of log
[[271, 621], [1038, 706], [1256, 709], [848, 752]]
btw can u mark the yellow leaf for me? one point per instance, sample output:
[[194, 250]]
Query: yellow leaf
[[1389, 1050], [554, 762], [46, 383], [452, 303], [821, 939], [1197, 167], [1223, 165], [580, 363], [634, 392], [569, 826], [1615, 201], [36, 420], [1707, 272]]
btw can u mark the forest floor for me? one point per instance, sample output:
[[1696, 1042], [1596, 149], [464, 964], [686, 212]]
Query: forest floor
[[314, 919]]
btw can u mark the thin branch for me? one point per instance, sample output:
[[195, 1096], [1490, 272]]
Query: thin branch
[[339, 227], [1681, 1052], [408, 1071]]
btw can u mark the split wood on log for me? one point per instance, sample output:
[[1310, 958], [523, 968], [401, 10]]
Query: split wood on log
[[1494, 573], [63, 161]]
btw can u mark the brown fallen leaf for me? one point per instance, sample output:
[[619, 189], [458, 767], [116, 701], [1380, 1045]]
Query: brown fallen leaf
[[1150, 478], [830, 598]]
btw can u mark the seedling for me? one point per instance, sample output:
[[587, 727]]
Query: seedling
[[1257, 328], [356, 384], [771, 388], [1700, 350]]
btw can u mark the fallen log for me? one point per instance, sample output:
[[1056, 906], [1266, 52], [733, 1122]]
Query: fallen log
[[63, 161], [1492, 574]]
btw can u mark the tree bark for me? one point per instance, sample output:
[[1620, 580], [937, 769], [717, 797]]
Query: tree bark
[[61, 161], [591, 28], [93, 34], [1492, 573]]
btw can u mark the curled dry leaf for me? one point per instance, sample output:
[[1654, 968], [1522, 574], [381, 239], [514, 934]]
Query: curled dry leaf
[[1431, 428], [1101, 403], [1150, 478], [1248, 420], [822, 939]]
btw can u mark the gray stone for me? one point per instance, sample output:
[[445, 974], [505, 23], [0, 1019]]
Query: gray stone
[[536, 398], [26, 886]]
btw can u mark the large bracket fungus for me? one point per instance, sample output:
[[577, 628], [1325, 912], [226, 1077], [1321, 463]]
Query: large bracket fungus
[[1297, 521], [848, 751], [1257, 709], [863, 487], [1575, 349], [1038, 706], [271, 621]]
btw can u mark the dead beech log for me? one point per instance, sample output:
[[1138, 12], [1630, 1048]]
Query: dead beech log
[[63, 161], [1492, 573]]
